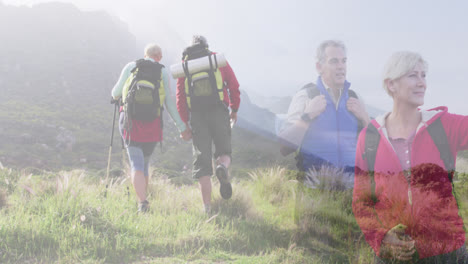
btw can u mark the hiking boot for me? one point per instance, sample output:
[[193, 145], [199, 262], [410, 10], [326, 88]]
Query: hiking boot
[[225, 186], [143, 207]]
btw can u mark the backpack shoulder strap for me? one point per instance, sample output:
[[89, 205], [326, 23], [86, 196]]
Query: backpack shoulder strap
[[311, 89], [158, 66], [138, 63], [352, 93], [372, 141], [211, 73], [133, 75], [135, 67], [439, 136]]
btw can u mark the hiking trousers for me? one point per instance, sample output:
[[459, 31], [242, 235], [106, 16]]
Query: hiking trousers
[[208, 128]]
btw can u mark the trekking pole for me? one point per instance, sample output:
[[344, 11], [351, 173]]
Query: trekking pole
[[123, 152], [123, 163], [115, 102]]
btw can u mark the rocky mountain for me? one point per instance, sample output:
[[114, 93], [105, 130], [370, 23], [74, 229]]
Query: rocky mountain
[[276, 104], [256, 119], [57, 67], [55, 51]]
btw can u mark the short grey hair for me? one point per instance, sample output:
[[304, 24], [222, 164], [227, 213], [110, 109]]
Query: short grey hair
[[152, 50], [328, 43], [399, 64]]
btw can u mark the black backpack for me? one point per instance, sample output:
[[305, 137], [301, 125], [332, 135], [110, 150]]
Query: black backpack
[[142, 94]]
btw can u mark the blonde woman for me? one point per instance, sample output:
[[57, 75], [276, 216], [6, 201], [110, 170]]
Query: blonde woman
[[403, 197]]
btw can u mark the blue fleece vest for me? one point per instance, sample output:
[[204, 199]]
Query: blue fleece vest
[[331, 137]]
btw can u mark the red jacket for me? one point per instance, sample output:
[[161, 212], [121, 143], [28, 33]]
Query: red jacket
[[231, 92], [426, 204], [143, 131]]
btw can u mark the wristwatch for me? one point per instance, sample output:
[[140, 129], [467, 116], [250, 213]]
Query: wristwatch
[[305, 117]]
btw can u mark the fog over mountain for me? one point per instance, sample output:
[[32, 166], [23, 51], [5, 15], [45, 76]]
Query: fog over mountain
[[55, 79], [271, 44], [70, 52]]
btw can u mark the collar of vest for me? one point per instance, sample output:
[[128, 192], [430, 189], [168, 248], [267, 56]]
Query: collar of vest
[[323, 90]]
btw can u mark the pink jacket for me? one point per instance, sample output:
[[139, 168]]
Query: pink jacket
[[426, 204]]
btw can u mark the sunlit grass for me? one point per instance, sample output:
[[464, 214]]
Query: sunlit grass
[[462, 165], [72, 217], [76, 217]]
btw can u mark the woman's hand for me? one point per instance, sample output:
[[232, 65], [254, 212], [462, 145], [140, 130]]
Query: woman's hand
[[186, 134], [397, 245]]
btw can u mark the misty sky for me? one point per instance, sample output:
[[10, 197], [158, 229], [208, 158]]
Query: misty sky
[[271, 43]]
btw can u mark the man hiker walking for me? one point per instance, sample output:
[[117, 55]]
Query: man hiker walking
[[144, 88], [324, 119], [204, 99]]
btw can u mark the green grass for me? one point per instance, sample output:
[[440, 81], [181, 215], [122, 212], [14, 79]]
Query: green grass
[[71, 217]]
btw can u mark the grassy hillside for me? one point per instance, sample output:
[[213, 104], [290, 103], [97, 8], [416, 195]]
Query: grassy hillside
[[71, 217], [463, 154], [55, 77]]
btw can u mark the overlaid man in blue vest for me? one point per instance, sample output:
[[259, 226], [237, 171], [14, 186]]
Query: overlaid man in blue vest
[[324, 119]]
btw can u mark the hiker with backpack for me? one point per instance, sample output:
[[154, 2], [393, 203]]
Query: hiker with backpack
[[144, 89], [404, 198], [203, 100], [324, 118]]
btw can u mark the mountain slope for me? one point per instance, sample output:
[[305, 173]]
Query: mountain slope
[[58, 66]]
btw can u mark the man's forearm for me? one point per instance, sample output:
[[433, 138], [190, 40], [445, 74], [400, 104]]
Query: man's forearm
[[294, 132]]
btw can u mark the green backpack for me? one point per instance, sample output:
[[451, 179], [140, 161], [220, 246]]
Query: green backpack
[[206, 88], [143, 92]]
